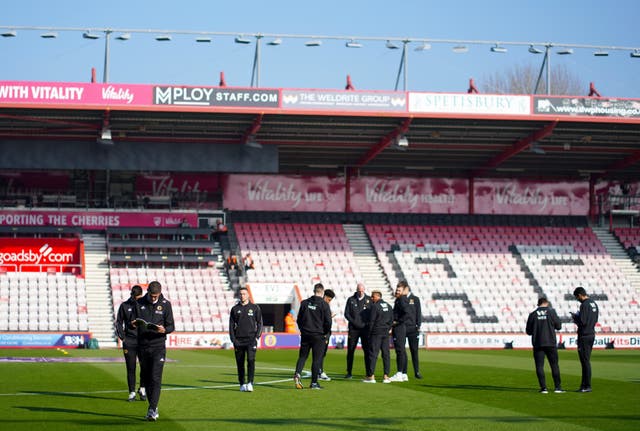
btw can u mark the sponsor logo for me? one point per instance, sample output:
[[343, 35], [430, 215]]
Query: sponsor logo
[[45, 255]]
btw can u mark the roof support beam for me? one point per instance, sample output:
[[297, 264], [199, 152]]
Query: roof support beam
[[631, 159], [255, 126], [384, 142], [516, 148]]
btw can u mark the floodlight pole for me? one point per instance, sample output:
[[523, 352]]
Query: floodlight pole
[[105, 74], [255, 72], [403, 67], [545, 63]]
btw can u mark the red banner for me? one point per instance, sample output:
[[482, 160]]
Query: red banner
[[284, 193], [495, 196], [96, 219], [410, 195], [170, 184], [40, 255]]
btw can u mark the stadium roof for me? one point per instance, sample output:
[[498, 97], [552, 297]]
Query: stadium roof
[[451, 142]]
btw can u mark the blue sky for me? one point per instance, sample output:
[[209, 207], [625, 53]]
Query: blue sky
[[142, 59]]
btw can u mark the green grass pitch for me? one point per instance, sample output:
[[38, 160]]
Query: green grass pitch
[[461, 390]]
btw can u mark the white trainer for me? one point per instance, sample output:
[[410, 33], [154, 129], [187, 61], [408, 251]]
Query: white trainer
[[405, 378], [397, 377], [249, 387], [243, 388], [323, 376]]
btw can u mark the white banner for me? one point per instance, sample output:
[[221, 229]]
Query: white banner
[[199, 340], [489, 104], [272, 293]]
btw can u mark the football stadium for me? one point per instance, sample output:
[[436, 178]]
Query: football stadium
[[482, 203]]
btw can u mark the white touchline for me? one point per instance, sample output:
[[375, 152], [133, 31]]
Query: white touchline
[[305, 374]]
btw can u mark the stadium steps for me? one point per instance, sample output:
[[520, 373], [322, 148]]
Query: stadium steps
[[99, 297], [619, 256], [367, 261]]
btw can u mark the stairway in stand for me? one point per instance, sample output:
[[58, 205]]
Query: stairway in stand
[[367, 261], [99, 297]]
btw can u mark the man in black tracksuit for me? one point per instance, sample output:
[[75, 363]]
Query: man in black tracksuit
[[355, 312], [402, 318], [378, 327], [541, 325], [128, 334], [413, 330], [314, 322], [245, 328], [156, 311], [586, 320]]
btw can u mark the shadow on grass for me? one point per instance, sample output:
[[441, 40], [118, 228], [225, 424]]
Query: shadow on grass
[[78, 395], [122, 418], [481, 388]]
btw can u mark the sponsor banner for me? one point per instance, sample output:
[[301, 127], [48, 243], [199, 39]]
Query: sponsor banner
[[409, 195], [198, 340], [64, 93], [620, 341], [586, 107], [284, 193], [175, 183], [30, 182], [482, 104], [272, 293], [476, 341], [619, 196], [215, 96], [69, 340], [497, 196], [96, 219], [39, 254], [344, 100]]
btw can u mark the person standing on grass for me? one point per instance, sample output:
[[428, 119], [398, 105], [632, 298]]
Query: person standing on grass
[[245, 328], [154, 320], [355, 312], [378, 327], [413, 329], [314, 322], [128, 335], [542, 325], [328, 297], [586, 320], [402, 317]]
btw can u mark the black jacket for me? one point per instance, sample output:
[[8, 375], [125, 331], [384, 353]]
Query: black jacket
[[355, 311], [314, 316], [245, 322], [403, 314], [587, 317], [541, 325], [159, 313], [415, 310], [126, 315], [381, 318]]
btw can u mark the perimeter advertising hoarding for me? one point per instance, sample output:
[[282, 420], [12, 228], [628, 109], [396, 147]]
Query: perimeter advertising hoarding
[[522, 341], [586, 107], [38, 254], [22, 340], [171, 183], [96, 219], [496, 196], [478, 104], [215, 96], [344, 100], [284, 193], [409, 195]]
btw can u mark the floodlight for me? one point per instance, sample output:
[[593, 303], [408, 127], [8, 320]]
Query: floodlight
[[424, 47], [242, 40], [203, 39], [391, 45], [124, 36], [89, 35], [163, 38], [635, 53], [534, 50], [275, 42], [49, 35], [9, 33], [313, 42], [565, 51], [459, 49], [601, 53], [353, 44], [498, 49]]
